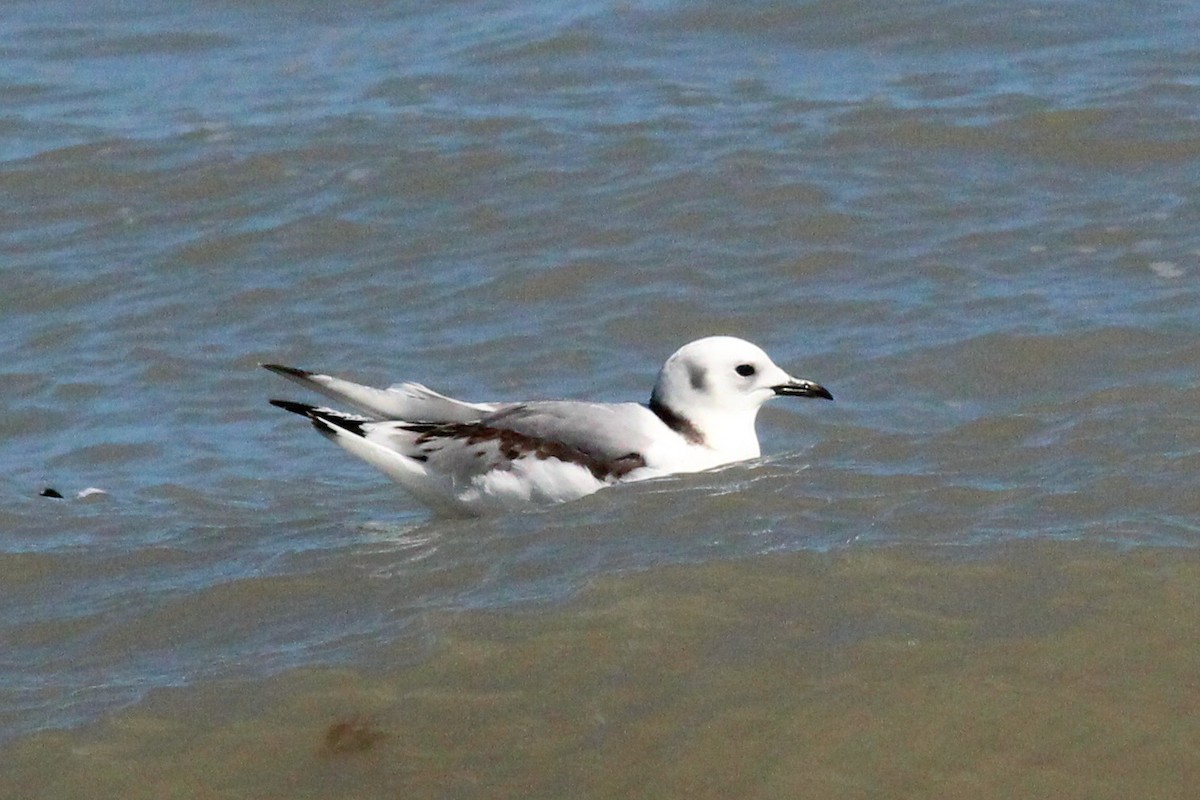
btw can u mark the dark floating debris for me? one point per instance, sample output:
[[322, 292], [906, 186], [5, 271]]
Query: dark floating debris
[[90, 492], [353, 735]]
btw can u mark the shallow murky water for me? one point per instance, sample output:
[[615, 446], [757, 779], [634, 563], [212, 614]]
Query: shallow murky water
[[1033, 669]]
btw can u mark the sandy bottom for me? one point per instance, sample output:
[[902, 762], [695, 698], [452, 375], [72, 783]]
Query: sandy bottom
[[1038, 670]]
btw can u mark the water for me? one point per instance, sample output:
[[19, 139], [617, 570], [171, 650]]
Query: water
[[976, 225]]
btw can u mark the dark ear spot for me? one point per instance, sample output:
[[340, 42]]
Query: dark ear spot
[[696, 375]]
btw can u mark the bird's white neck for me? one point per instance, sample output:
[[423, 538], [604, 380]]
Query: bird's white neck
[[728, 436], [731, 436]]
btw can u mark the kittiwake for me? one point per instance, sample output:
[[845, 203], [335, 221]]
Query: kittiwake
[[459, 457]]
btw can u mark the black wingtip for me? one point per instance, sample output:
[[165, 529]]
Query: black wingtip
[[280, 369], [323, 419], [303, 409]]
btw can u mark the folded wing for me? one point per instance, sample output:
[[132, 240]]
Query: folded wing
[[409, 401]]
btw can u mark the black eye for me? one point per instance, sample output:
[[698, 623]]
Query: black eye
[[745, 370]]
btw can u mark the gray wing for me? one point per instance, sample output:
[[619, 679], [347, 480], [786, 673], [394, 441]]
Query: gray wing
[[410, 401], [607, 431], [609, 441]]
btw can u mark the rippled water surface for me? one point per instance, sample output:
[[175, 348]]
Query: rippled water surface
[[976, 224]]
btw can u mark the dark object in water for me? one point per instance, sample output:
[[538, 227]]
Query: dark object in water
[[50, 491], [354, 735]]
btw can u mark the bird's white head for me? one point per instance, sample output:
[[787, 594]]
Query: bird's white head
[[716, 385]]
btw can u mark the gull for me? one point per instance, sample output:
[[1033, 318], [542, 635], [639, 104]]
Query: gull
[[459, 457]]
